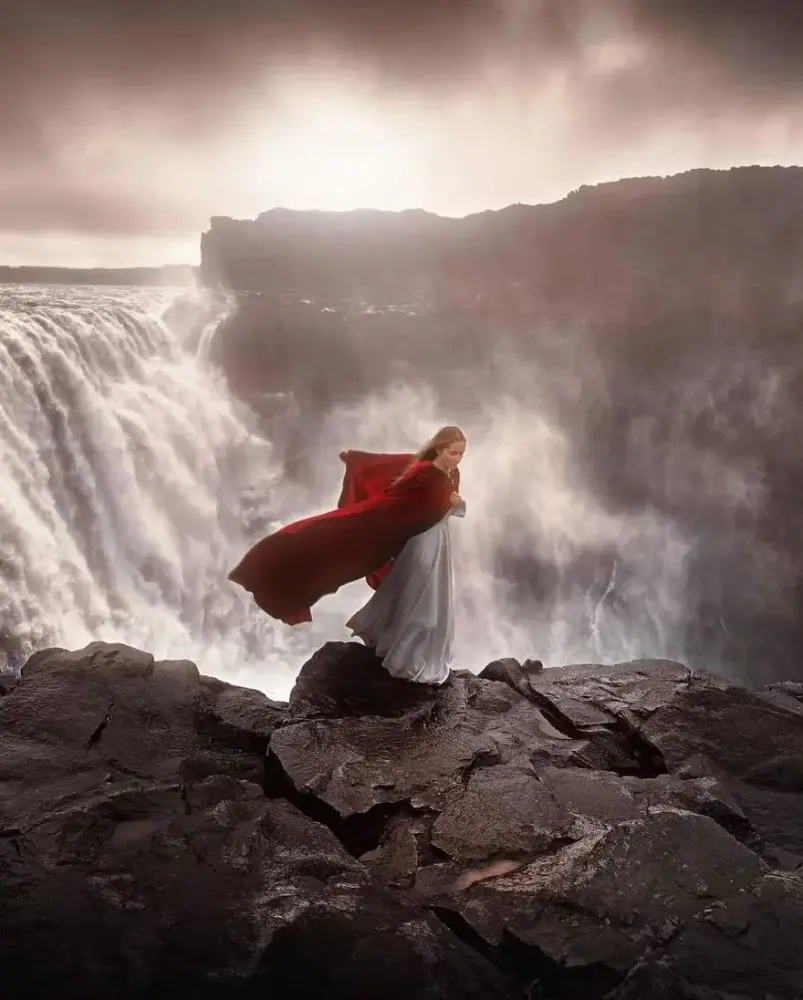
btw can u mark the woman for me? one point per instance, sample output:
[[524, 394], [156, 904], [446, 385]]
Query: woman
[[409, 621], [386, 501]]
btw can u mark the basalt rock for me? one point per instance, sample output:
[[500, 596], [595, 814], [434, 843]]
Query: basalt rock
[[140, 856], [590, 832]]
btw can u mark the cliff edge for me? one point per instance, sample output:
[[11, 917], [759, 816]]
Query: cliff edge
[[600, 832], [630, 248]]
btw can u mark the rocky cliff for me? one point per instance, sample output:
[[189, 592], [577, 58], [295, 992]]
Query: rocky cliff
[[631, 832], [633, 248]]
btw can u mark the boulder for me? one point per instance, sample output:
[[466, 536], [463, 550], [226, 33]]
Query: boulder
[[140, 856], [618, 832], [567, 823]]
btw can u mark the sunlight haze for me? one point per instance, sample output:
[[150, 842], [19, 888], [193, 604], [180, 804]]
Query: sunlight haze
[[115, 160]]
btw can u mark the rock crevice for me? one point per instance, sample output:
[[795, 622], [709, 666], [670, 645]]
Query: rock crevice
[[584, 831]]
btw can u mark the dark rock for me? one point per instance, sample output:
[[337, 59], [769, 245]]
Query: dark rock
[[89, 719], [784, 860], [366, 766], [504, 811], [361, 944], [582, 832], [584, 916], [563, 871], [790, 689], [347, 679], [776, 817], [673, 716], [745, 946], [140, 855], [8, 682], [511, 672]]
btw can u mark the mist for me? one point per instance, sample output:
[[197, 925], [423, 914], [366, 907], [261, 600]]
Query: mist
[[626, 498]]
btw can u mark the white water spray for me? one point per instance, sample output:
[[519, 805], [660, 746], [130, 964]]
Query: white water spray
[[123, 460], [133, 482]]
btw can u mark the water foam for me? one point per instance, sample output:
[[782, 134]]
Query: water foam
[[133, 481]]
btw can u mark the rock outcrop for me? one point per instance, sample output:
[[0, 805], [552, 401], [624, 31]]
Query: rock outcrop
[[625, 832], [653, 324], [618, 251]]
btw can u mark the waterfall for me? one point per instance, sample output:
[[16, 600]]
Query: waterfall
[[132, 482], [125, 462]]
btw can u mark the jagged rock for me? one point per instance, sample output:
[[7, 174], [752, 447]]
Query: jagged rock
[[139, 855], [511, 671], [791, 689], [344, 680], [504, 811], [583, 832], [88, 719], [494, 808], [687, 724], [590, 911], [743, 947], [366, 766]]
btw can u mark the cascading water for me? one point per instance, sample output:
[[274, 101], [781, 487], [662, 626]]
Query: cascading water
[[132, 482], [124, 462]]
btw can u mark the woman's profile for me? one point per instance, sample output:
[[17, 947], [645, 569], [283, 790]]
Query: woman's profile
[[391, 527]]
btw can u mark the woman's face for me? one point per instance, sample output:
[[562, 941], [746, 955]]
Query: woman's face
[[452, 455]]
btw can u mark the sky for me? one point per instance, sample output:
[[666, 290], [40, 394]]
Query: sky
[[126, 124]]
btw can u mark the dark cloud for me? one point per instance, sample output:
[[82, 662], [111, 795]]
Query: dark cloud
[[51, 50], [182, 51], [757, 41], [193, 65]]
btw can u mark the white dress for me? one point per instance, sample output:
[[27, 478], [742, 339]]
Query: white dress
[[409, 621]]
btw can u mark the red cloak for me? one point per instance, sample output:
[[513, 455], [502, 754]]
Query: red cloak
[[289, 571], [368, 475]]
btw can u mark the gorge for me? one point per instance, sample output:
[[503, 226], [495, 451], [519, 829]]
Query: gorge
[[604, 801]]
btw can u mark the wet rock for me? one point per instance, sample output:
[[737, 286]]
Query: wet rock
[[346, 679], [512, 672], [582, 832], [747, 945], [585, 915], [504, 811], [361, 944], [140, 854], [365, 766], [497, 819]]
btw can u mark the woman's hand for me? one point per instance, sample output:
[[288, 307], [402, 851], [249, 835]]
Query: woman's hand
[[455, 500]]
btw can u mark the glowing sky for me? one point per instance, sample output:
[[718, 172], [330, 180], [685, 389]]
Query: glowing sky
[[125, 125]]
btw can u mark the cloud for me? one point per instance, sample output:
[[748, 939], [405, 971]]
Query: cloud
[[95, 96], [186, 46]]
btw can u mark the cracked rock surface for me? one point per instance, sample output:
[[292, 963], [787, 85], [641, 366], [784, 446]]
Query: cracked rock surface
[[632, 832]]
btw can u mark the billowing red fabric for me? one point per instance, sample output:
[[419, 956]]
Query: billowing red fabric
[[368, 474], [289, 571]]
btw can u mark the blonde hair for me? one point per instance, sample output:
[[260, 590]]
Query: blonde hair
[[444, 437], [440, 440]]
